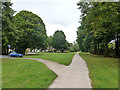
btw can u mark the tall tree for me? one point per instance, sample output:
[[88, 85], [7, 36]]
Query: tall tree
[[59, 40], [31, 31], [99, 24], [8, 28]]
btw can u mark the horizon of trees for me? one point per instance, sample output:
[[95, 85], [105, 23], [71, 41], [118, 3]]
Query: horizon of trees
[[59, 43], [27, 30], [98, 27]]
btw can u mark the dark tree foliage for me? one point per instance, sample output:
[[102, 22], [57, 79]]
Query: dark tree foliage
[[30, 31], [59, 40], [24, 30], [98, 27], [8, 28]]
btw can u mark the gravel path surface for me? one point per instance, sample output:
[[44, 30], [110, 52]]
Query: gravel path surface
[[76, 75]]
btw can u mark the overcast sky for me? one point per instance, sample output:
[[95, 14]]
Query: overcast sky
[[56, 14]]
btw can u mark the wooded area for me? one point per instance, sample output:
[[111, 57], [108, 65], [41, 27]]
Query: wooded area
[[99, 32], [27, 30], [21, 31]]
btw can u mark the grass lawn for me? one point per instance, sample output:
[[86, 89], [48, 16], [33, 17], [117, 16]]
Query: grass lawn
[[103, 70], [62, 58], [22, 73]]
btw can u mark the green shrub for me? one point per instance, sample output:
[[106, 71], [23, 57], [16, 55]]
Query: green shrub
[[26, 51]]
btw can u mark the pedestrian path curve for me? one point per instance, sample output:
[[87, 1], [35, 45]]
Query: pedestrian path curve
[[76, 75]]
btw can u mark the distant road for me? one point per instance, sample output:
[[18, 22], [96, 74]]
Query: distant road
[[4, 56], [7, 56], [29, 53]]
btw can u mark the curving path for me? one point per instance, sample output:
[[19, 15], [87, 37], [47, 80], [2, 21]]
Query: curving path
[[76, 75]]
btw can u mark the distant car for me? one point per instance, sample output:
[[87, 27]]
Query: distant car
[[15, 54]]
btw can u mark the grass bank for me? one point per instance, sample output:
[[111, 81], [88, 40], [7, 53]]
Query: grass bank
[[103, 70], [22, 73], [62, 58]]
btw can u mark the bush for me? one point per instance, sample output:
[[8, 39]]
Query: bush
[[112, 52], [100, 51], [51, 51], [67, 51], [71, 50], [55, 50], [26, 51]]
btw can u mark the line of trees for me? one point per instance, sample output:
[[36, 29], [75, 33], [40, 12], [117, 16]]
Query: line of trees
[[21, 31], [27, 30], [59, 43], [99, 26]]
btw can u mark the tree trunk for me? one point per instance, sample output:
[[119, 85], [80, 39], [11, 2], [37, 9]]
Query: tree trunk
[[95, 49], [106, 52], [7, 50], [23, 52], [98, 48], [20, 50], [4, 51]]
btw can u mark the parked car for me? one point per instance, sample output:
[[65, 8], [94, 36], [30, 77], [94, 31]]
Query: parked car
[[15, 54]]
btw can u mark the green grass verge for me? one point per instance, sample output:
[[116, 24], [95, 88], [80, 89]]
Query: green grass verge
[[22, 73], [103, 70], [62, 58]]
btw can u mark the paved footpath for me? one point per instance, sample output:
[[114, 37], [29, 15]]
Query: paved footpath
[[76, 75]]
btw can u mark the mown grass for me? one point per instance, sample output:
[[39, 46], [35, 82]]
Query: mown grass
[[103, 70], [22, 73], [62, 58]]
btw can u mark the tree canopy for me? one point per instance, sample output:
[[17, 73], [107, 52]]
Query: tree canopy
[[59, 40], [8, 28], [22, 31], [98, 27], [31, 31]]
